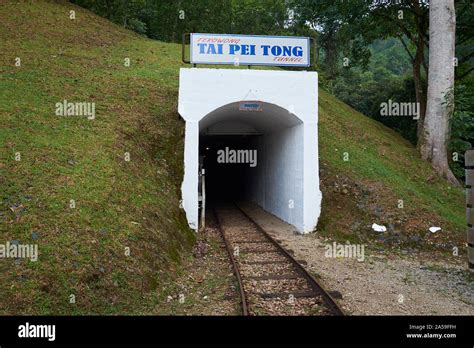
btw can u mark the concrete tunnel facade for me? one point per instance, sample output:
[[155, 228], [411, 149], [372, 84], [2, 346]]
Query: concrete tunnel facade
[[283, 130]]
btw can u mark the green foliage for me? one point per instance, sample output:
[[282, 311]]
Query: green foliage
[[379, 41], [137, 25], [134, 203], [347, 28], [464, 39], [169, 20], [118, 203], [386, 77], [382, 158], [259, 17], [462, 127]]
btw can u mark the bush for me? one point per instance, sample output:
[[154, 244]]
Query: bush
[[462, 128], [137, 26]]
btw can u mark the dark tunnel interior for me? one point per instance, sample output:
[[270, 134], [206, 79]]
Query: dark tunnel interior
[[224, 182]]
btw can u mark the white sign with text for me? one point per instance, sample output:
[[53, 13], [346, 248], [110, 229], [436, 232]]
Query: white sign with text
[[250, 50]]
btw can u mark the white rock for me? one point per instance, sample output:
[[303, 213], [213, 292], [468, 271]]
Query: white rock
[[379, 228], [435, 229]]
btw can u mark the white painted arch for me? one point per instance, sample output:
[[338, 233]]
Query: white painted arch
[[286, 181]]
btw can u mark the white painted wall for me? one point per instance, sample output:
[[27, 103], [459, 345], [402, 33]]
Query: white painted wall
[[289, 145], [276, 183]]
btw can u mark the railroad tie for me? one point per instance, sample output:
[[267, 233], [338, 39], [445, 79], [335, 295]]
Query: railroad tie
[[274, 277], [295, 294]]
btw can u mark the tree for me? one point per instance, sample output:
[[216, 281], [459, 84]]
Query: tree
[[346, 22], [335, 24], [435, 135]]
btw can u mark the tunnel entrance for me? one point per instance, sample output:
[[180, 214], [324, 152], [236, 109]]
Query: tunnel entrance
[[255, 135], [228, 161], [254, 155]]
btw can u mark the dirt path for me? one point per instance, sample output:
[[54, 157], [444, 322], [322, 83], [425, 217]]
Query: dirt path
[[420, 283]]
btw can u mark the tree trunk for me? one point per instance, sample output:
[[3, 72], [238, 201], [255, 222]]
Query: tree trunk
[[109, 12], [175, 24], [330, 59], [419, 89], [435, 135]]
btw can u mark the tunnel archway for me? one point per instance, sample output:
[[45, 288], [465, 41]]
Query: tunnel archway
[[267, 146], [270, 113]]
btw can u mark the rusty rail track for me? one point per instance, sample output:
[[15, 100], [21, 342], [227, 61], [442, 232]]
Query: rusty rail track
[[264, 280]]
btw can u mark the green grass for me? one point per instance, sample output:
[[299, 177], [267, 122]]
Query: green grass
[[378, 157], [131, 204], [118, 204], [399, 168]]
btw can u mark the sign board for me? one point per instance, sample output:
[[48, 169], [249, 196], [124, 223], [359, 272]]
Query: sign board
[[250, 106], [249, 50]]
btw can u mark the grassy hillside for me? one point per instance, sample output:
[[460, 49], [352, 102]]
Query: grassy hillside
[[382, 180], [135, 204], [119, 203]]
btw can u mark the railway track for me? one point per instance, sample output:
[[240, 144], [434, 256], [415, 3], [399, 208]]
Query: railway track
[[271, 281]]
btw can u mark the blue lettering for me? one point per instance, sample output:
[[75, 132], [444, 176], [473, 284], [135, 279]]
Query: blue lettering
[[276, 50], [298, 51], [211, 49], [233, 49], [201, 46], [265, 49], [286, 51]]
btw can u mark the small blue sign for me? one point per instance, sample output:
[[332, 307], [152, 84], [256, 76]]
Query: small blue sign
[[250, 106]]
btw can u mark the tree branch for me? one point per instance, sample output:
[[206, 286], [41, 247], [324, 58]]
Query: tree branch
[[466, 58], [406, 48], [397, 22], [464, 74], [463, 40]]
